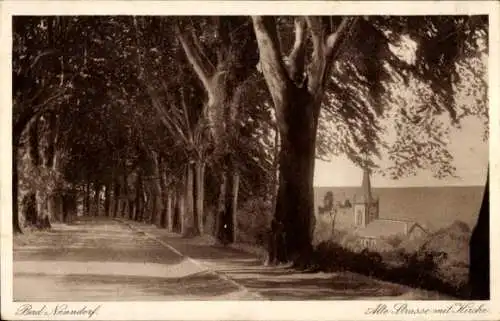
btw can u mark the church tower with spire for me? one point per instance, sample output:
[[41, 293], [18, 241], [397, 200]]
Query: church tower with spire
[[365, 205]]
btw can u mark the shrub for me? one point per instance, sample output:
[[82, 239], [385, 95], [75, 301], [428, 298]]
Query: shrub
[[332, 256], [254, 221], [420, 269], [394, 240]]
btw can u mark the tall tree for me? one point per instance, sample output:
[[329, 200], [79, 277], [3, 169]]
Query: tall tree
[[297, 100], [298, 83], [222, 63]]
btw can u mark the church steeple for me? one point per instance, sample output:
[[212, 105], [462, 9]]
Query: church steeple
[[366, 206], [366, 185]]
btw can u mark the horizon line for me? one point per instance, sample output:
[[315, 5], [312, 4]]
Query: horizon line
[[405, 186]]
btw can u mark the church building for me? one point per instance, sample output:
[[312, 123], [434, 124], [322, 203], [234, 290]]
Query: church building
[[369, 227]]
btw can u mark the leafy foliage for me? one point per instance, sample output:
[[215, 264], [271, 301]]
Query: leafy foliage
[[388, 94], [122, 90]]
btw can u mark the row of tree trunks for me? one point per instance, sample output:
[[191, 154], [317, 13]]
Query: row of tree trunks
[[221, 110], [176, 206], [179, 207]]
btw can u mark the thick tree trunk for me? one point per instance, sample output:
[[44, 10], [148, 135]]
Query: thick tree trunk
[[124, 195], [124, 210], [139, 190], [225, 216], [163, 218], [97, 200], [86, 200], [226, 222], [479, 251], [60, 207], [138, 205], [163, 194], [297, 103], [116, 199], [233, 210], [30, 208], [107, 200], [158, 204], [16, 226], [43, 218], [165, 204], [68, 206], [64, 207], [169, 214], [153, 218], [199, 183], [140, 209], [275, 180], [295, 201], [175, 212], [191, 220], [148, 204], [131, 209], [220, 215], [181, 208], [53, 207]]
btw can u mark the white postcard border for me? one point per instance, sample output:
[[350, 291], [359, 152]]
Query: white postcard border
[[244, 310]]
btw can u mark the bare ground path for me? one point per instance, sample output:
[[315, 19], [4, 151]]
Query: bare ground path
[[100, 259]]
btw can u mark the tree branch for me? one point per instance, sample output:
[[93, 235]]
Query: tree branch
[[335, 39], [203, 70], [317, 66], [296, 59], [270, 57], [325, 50], [165, 118], [188, 126], [317, 35]]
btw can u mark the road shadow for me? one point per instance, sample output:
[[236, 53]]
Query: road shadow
[[296, 287], [197, 286]]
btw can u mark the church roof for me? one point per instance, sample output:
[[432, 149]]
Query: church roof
[[385, 227]]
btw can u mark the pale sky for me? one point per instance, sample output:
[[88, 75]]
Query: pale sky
[[470, 154]]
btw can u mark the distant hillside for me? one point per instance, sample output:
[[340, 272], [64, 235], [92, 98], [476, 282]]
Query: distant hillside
[[433, 207]]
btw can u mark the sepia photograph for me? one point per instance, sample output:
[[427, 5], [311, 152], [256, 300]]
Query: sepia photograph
[[248, 156]]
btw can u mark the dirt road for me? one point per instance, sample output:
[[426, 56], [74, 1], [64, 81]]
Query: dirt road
[[106, 260]]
